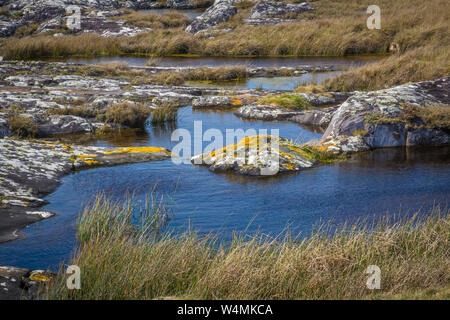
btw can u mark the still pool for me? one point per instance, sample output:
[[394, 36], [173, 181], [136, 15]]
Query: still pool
[[387, 181]]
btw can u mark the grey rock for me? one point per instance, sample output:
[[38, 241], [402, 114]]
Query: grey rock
[[22, 284], [427, 137], [387, 135], [273, 12], [220, 11], [31, 169], [355, 112]]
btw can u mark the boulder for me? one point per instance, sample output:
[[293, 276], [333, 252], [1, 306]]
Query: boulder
[[379, 116], [257, 155], [273, 12], [220, 11]]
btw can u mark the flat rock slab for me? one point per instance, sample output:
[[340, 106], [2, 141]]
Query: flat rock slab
[[31, 169]]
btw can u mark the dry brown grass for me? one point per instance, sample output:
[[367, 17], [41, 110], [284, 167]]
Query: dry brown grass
[[133, 115], [171, 19], [22, 126], [436, 117], [419, 64], [119, 260]]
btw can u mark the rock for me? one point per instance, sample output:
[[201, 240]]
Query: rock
[[31, 169], [273, 12], [53, 125], [342, 145], [427, 137], [316, 117], [257, 155], [4, 130], [21, 283], [262, 112], [220, 11], [380, 118], [223, 101]]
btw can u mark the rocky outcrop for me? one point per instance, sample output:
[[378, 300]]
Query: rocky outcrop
[[381, 117], [315, 117], [220, 11], [257, 155], [22, 283], [31, 169], [223, 101], [273, 12]]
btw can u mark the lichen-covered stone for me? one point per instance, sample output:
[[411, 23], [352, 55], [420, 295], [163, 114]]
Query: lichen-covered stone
[[21, 283], [258, 155], [31, 169], [386, 108]]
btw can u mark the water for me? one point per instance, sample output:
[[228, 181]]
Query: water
[[270, 83], [368, 185]]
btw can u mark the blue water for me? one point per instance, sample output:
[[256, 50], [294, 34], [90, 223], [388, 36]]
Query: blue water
[[270, 83], [393, 181]]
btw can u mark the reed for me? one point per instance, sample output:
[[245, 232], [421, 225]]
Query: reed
[[125, 252]]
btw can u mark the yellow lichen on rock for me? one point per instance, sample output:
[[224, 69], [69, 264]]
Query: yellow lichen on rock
[[138, 149]]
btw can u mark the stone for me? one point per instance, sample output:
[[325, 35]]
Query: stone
[[31, 169], [427, 137], [21, 283], [274, 12], [378, 114], [220, 11], [257, 155]]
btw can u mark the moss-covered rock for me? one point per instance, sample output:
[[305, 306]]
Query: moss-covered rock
[[258, 155]]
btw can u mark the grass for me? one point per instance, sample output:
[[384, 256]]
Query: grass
[[171, 19], [164, 113], [286, 100], [428, 117], [417, 29], [435, 117], [224, 73], [133, 115], [22, 126], [124, 253]]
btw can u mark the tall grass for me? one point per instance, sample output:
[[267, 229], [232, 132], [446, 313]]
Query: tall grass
[[124, 254]]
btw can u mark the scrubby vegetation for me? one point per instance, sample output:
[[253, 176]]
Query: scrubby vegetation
[[124, 253], [22, 126], [164, 113], [133, 115], [429, 117], [286, 100], [172, 19]]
